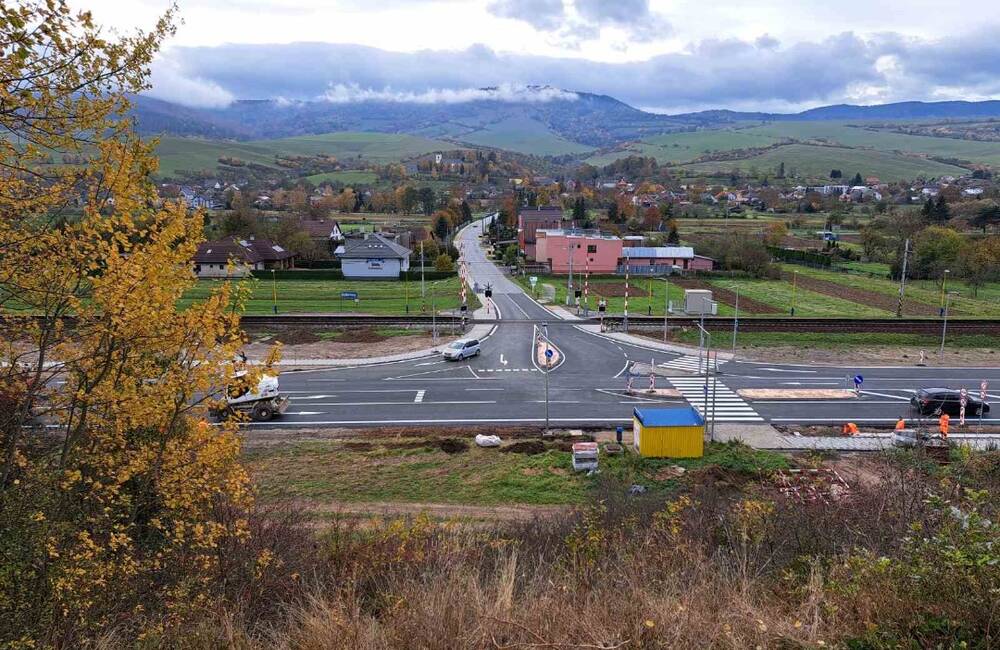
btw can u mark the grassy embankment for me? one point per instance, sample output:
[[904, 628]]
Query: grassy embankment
[[323, 296]]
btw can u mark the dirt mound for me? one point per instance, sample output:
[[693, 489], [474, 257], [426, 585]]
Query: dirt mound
[[528, 447], [452, 445], [617, 289], [861, 296], [361, 335], [727, 297]]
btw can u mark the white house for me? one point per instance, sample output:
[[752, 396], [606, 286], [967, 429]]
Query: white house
[[373, 257]]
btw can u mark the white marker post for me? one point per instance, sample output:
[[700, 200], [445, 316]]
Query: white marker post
[[962, 401]]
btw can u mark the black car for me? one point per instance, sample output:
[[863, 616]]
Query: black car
[[949, 400]]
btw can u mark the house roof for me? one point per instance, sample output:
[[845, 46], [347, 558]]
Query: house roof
[[249, 251], [373, 246], [320, 227], [668, 417], [659, 252]]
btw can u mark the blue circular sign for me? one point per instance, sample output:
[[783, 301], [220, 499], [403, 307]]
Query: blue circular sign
[[549, 353], [858, 379]]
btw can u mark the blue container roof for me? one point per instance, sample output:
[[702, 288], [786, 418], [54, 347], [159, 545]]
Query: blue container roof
[[685, 416]]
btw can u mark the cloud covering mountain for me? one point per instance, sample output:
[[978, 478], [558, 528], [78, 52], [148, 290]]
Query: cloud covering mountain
[[762, 74]]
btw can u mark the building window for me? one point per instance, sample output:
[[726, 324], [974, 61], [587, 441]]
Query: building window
[[591, 248]]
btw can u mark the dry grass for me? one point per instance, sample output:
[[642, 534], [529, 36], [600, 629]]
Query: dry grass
[[727, 562]]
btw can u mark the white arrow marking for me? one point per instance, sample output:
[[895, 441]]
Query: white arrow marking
[[428, 363], [502, 360]]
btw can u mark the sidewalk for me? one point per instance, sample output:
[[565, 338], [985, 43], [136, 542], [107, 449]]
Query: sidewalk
[[644, 342]]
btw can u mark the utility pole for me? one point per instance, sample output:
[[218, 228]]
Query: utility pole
[[944, 285], [944, 324], [666, 306], [902, 280], [795, 284], [423, 287], [274, 291], [569, 280], [736, 319]]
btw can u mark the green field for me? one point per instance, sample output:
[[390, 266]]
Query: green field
[[827, 341], [418, 470], [858, 148], [522, 135], [194, 154], [816, 161], [653, 303], [858, 136], [683, 147], [347, 177], [323, 296]]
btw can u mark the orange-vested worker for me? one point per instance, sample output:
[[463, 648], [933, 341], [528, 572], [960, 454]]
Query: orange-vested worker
[[850, 429], [943, 424], [900, 424]]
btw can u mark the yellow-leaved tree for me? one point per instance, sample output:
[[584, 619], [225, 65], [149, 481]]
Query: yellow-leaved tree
[[112, 487]]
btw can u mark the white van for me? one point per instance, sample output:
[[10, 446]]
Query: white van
[[462, 349]]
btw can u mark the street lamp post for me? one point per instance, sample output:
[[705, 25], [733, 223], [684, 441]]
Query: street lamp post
[[274, 291], [944, 286], [944, 323], [795, 285]]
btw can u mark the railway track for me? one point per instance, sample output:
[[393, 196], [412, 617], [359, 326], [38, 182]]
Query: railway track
[[928, 326]]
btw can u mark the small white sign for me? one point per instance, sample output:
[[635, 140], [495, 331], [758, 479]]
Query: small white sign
[[533, 280]]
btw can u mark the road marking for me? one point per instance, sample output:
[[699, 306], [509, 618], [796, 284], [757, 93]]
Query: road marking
[[729, 407], [419, 397], [624, 368], [428, 363], [395, 403], [502, 360], [783, 370], [684, 362], [440, 421], [868, 392], [305, 413]]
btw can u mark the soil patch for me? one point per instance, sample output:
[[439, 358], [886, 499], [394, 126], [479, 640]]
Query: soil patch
[[862, 297], [296, 336], [528, 447], [617, 289], [728, 297], [452, 445], [870, 355]]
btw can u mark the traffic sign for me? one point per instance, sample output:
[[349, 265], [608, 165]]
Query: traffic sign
[[548, 354], [858, 380], [349, 295], [533, 280]]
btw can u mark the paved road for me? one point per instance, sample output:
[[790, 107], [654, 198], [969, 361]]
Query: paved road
[[504, 385]]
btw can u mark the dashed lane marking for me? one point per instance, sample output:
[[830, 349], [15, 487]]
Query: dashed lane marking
[[419, 397]]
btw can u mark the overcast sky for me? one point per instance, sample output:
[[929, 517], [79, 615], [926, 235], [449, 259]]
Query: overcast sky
[[663, 55]]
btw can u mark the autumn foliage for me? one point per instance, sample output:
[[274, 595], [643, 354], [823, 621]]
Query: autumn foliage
[[110, 482]]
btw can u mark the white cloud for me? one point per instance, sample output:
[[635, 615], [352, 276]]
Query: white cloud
[[351, 93], [171, 82]]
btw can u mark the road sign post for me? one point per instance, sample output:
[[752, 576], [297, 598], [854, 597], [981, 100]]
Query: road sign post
[[963, 401], [983, 387], [548, 366], [858, 382]]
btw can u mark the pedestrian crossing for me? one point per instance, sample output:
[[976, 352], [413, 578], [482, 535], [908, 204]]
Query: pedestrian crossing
[[685, 362], [729, 407]]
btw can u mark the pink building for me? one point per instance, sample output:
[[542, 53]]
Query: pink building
[[587, 250], [663, 259], [529, 221]]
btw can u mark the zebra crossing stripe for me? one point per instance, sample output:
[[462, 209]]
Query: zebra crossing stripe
[[729, 407]]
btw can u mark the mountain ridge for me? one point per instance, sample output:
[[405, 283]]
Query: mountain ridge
[[585, 121]]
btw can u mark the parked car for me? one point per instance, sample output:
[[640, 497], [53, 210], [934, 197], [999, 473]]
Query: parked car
[[929, 400], [462, 349]]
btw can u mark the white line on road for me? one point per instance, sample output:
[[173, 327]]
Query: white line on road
[[419, 397], [442, 421], [782, 370], [868, 392], [396, 403]]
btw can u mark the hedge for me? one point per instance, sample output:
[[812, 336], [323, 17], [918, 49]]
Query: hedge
[[414, 274], [802, 257], [293, 274], [318, 264]]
